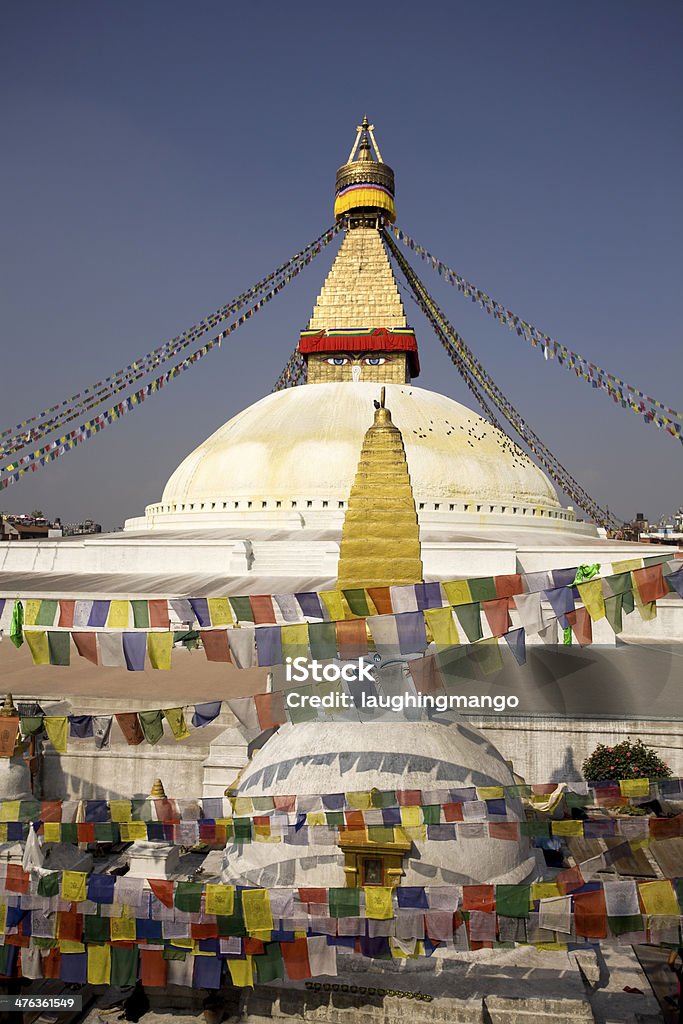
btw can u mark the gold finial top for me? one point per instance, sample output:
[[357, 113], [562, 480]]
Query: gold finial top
[[157, 791], [8, 709]]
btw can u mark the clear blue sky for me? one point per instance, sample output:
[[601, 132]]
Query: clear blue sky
[[159, 157]]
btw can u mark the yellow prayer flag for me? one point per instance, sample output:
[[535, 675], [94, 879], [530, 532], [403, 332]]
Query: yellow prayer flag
[[593, 599], [38, 645], [159, 647], [646, 609], [99, 964], [31, 609], [418, 833], [70, 946], [378, 903], [295, 636], [220, 611], [9, 810], [3, 918], [626, 566], [56, 729], [241, 972], [183, 943], [442, 626], [73, 886], [3, 832], [360, 800], [568, 827], [123, 928], [544, 890], [411, 816], [658, 897], [118, 614], [120, 810], [490, 792], [314, 818], [634, 787], [51, 832], [256, 908], [242, 805], [220, 899], [458, 592], [337, 609], [133, 830], [176, 719]]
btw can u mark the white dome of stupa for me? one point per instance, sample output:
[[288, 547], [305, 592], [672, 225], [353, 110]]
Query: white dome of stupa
[[299, 448], [330, 757]]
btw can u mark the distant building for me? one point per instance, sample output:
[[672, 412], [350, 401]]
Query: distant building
[[36, 527]]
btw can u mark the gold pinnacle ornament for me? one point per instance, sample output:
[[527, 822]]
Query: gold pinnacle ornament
[[380, 542], [157, 791]]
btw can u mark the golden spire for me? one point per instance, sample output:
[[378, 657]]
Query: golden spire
[[8, 709], [157, 791], [380, 543]]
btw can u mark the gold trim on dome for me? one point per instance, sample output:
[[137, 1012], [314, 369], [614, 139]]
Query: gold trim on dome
[[380, 543]]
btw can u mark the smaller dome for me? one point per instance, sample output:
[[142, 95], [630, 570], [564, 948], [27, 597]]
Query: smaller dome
[[342, 757]]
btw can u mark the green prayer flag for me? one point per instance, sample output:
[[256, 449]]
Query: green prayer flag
[[31, 725], [232, 926], [174, 953], [534, 828], [357, 601], [344, 902], [16, 630], [242, 827], [305, 713], [613, 610], [241, 608], [334, 818], [483, 589], [269, 966], [59, 646], [432, 814], [322, 637], [626, 923], [95, 928], [140, 614], [586, 572], [46, 613], [469, 616], [512, 900], [620, 583], [628, 602], [124, 966], [69, 832], [383, 798], [141, 810], [107, 832], [29, 810], [567, 636], [48, 885], [152, 725], [188, 896]]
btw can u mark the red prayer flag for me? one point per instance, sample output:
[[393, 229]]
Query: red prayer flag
[[426, 674], [215, 643], [354, 819], [17, 879], [204, 931], [131, 728], [452, 812], [666, 828], [66, 613], [86, 645], [497, 615], [409, 797], [69, 925], [569, 880], [295, 956], [504, 829], [253, 947], [508, 586], [163, 890], [381, 598], [158, 615], [270, 708], [478, 897], [51, 964], [284, 803], [154, 968], [581, 624], [51, 810], [85, 831], [262, 610], [313, 895], [650, 582], [590, 914], [352, 639]]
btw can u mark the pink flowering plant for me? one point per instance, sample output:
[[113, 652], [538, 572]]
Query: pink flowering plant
[[627, 760]]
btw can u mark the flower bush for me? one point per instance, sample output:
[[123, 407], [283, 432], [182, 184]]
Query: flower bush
[[626, 760]]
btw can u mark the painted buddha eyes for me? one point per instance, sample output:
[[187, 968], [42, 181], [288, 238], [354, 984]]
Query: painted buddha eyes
[[367, 361]]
